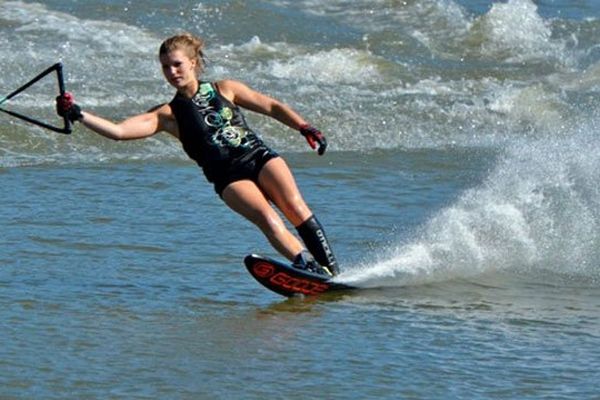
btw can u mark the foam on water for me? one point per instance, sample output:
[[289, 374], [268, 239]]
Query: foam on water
[[49, 36], [331, 67], [537, 213], [419, 74], [515, 32], [298, 64]]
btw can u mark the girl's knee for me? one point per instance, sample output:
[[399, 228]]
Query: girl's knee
[[296, 210], [269, 222]]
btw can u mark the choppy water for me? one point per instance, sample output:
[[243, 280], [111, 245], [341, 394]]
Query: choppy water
[[461, 191]]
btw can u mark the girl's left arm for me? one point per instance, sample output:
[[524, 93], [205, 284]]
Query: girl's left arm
[[243, 96]]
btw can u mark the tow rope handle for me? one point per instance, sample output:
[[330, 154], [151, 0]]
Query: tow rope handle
[[67, 126]]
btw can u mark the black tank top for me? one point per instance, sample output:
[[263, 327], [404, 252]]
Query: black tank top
[[212, 130]]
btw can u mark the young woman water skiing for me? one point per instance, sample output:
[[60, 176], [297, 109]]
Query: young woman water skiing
[[247, 175]]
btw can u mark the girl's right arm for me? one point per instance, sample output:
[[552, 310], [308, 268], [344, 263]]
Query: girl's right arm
[[136, 127]]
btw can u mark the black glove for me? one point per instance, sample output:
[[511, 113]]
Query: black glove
[[66, 107], [313, 137]]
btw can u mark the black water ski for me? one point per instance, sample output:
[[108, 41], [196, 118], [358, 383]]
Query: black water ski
[[287, 280]]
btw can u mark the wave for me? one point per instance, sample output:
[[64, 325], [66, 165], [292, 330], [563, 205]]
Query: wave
[[537, 214], [413, 74], [425, 74]]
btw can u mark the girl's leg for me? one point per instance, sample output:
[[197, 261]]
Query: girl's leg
[[278, 183], [247, 199]]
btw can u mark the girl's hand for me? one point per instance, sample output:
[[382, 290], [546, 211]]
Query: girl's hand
[[313, 137]]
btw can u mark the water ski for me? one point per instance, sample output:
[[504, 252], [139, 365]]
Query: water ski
[[288, 281]]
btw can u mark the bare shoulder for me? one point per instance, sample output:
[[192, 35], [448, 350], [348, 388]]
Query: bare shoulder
[[241, 94], [231, 88], [229, 84]]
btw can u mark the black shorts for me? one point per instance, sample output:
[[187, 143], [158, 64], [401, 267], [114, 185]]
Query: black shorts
[[248, 168]]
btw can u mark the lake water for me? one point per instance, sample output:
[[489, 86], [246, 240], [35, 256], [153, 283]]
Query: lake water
[[460, 190]]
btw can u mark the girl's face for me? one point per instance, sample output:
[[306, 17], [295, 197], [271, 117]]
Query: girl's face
[[178, 68]]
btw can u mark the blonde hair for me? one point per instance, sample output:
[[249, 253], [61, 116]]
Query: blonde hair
[[191, 45]]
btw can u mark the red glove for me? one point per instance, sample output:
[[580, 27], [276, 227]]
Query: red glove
[[313, 137], [66, 107]]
